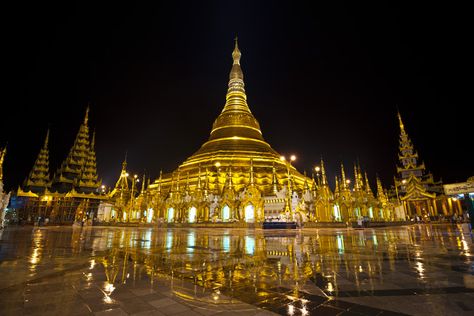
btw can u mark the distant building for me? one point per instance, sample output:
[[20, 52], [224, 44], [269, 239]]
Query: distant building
[[72, 194]]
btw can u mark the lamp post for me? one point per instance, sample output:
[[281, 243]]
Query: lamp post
[[132, 195], [288, 165], [317, 169]]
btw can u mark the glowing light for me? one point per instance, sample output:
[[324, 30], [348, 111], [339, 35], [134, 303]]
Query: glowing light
[[291, 309], [348, 181], [217, 164], [293, 158], [225, 213], [192, 215], [282, 158], [317, 168], [249, 245], [330, 287], [249, 213], [170, 214]]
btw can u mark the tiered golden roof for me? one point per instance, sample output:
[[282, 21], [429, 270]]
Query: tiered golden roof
[[78, 171], [38, 179]]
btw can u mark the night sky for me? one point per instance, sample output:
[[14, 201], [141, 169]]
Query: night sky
[[321, 80]]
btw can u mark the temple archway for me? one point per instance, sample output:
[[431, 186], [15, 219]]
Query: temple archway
[[192, 214], [225, 213], [249, 213], [170, 214]]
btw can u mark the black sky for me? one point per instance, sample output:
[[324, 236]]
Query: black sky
[[321, 80]]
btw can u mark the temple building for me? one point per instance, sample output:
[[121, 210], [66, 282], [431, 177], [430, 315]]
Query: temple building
[[236, 176], [415, 186], [72, 193]]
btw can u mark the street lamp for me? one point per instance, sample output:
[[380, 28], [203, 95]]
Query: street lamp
[[317, 169]]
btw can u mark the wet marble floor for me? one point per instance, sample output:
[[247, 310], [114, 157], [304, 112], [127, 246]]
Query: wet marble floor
[[414, 270]]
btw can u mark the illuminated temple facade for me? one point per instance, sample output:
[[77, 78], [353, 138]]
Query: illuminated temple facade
[[237, 177]]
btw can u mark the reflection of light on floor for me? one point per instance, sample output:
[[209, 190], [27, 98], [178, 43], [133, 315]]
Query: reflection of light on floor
[[304, 311], [291, 309], [330, 287], [108, 289], [420, 269], [191, 241], [92, 264], [169, 240], [340, 243], [226, 243], [249, 245]]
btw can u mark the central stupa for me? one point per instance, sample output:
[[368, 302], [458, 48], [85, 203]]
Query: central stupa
[[235, 143]]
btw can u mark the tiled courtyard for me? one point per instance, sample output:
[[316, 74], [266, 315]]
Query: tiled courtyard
[[414, 270]]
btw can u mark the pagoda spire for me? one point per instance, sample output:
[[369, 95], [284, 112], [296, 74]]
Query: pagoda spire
[[337, 188], [38, 180], [274, 180], [357, 179], [323, 173], [70, 173], [400, 122], [368, 190], [343, 178], [380, 193], [160, 179], [88, 180], [142, 191], [3, 152]]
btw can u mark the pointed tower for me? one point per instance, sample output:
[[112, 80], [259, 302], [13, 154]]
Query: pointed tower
[[72, 167], [411, 167], [3, 152], [121, 189], [383, 199], [88, 180], [38, 180], [236, 138], [368, 190]]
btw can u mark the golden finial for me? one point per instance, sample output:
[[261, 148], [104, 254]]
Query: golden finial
[[86, 118], [236, 53], [402, 127], [93, 140], [46, 140]]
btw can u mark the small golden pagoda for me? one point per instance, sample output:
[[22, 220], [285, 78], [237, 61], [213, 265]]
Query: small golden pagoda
[[416, 186], [236, 158]]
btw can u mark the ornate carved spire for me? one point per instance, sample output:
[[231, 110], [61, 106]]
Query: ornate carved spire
[[343, 178], [380, 193], [323, 173], [3, 152], [81, 158], [160, 179], [38, 180], [274, 180], [368, 190]]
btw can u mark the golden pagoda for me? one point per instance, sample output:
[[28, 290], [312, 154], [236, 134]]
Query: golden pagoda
[[72, 194], [39, 180], [236, 159], [416, 186]]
